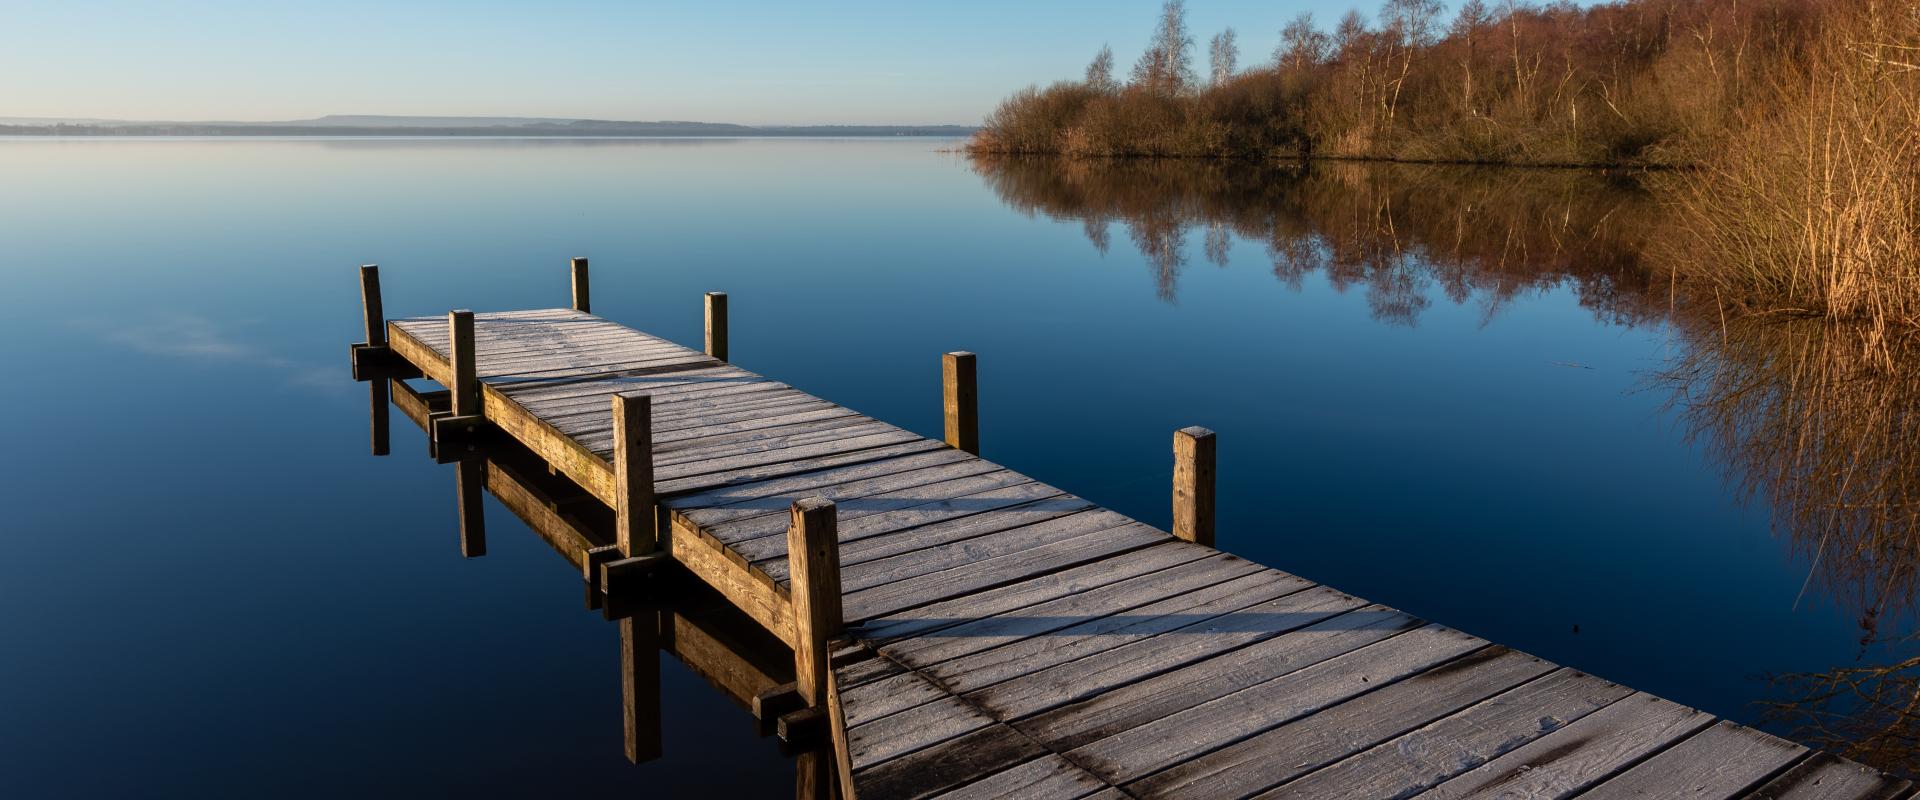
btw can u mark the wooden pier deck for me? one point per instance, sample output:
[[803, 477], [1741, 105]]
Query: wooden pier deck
[[961, 630]]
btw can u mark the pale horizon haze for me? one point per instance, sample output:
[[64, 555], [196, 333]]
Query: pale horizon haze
[[754, 63]]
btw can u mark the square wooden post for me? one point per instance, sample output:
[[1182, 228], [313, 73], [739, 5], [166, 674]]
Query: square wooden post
[[813, 566], [1193, 463], [466, 375], [717, 325], [370, 309], [582, 298], [962, 401], [634, 515]]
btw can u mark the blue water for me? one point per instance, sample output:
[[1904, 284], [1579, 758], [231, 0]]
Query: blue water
[[208, 586]]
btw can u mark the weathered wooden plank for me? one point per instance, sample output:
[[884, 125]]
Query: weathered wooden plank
[[707, 560], [1004, 663], [1097, 546], [846, 486], [1085, 677], [1121, 754], [754, 473], [1824, 777], [811, 452], [1723, 761], [937, 769], [1048, 776], [1440, 750], [1288, 751], [960, 529], [921, 621], [1067, 612], [993, 502], [925, 725], [895, 509], [1581, 754], [878, 698], [1140, 702], [1012, 538]]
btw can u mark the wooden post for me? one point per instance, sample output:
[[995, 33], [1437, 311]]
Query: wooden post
[[813, 567], [1193, 463], [717, 325], [582, 300], [634, 516], [370, 309], [962, 401], [640, 685], [466, 380]]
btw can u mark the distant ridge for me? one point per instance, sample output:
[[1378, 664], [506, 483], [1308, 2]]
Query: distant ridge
[[384, 125]]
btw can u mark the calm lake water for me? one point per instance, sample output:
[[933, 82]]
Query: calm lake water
[[1451, 392]]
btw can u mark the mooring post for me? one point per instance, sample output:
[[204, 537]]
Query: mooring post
[[1193, 466], [370, 308], [813, 567], [582, 299], [640, 685], [634, 515], [466, 371], [717, 325], [962, 401]]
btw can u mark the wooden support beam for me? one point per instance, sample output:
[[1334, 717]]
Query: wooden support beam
[[813, 555], [962, 401], [1193, 465], [777, 701], [582, 298], [640, 685], [370, 309], [636, 522], [804, 730], [619, 576], [717, 325]]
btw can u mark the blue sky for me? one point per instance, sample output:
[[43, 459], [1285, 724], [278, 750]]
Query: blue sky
[[749, 62]]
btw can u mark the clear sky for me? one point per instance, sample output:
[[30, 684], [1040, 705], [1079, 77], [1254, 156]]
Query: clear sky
[[904, 61]]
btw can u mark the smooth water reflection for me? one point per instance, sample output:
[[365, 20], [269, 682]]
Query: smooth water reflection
[[1447, 391]]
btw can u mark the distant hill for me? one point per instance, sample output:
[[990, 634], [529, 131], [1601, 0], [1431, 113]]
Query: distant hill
[[378, 125]]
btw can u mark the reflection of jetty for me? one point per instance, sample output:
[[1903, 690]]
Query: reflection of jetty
[[959, 630]]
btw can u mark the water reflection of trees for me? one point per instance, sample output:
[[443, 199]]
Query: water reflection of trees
[[1818, 421], [1398, 232], [1811, 417]]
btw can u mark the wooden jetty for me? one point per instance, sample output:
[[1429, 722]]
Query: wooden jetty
[[959, 630]]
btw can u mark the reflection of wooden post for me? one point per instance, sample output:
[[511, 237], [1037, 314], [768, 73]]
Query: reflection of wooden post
[[717, 325], [470, 481], [813, 566], [582, 301], [378, 391], [633, 474], [1193, 463], [640, 685], [962, 401]]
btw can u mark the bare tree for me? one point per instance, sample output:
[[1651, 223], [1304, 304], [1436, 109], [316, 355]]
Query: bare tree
[[1301, 44], [1407, 25], [1167, 66], [1468, 26], [1223, 55], [1100, 71]]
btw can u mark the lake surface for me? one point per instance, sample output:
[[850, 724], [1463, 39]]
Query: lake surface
[[1463, 394]]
